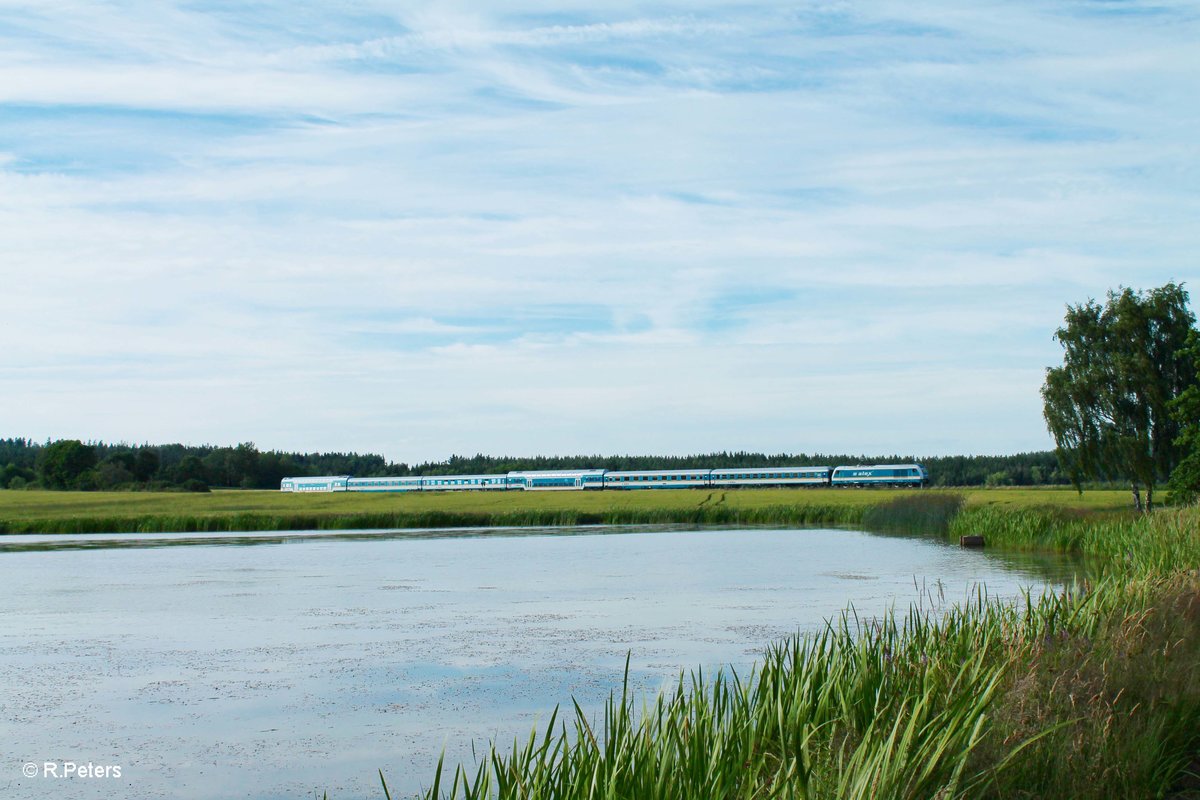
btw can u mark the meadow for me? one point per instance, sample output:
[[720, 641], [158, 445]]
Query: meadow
[[248, 510]]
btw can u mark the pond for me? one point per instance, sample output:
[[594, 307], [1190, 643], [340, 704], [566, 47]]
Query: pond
[[284, 665]]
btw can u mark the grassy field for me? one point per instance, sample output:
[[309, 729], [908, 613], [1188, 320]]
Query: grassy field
[[40, 511]]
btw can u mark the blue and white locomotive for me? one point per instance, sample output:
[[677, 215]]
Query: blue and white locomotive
[[891, 475], [880, 475]]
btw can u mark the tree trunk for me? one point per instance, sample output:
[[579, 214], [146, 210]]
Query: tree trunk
[[1137, 496], [1149, 497]]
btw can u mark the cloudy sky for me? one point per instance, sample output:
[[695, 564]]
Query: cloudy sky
[[553, 228]]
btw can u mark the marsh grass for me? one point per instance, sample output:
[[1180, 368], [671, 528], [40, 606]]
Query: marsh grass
[[797, 514], [927, 512], [1158, 543]]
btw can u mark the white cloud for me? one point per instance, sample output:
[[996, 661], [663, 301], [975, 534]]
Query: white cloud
[[527, 229]]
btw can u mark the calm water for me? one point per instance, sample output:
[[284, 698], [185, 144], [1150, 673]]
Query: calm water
[[274, 666]]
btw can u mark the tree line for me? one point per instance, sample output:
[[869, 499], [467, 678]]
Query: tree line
[[71, 464], [90, 466]]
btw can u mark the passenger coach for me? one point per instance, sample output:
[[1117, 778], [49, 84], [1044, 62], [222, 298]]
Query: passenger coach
[[647, 479], [557, 479], [325, 483], [770, 476]]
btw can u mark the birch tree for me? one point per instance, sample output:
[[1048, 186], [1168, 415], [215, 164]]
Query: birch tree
[[1108, 406]]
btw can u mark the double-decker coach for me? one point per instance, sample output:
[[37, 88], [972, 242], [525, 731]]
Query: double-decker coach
[[322, 483], [551, 480]]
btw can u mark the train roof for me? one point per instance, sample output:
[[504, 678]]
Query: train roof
[[391, 478], [553, 473], [697, 470], [747, 470], [466, 477], [878, 466]]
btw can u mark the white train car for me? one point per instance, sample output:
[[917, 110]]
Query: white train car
[[557, 480], [394, 484], [458, 483], [770, 476], [323, 483], [657, 479]]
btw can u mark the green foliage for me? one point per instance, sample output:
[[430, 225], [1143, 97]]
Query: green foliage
[[1000, 478], [1107, 405], [66, 464], [112, 474], [145, 464], [21, 453], [13, 476], [1185, 479]]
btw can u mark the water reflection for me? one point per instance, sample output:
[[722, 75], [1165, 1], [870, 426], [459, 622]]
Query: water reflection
[[209, 667]]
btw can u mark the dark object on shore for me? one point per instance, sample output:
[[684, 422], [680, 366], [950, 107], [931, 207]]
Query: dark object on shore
[[970, 541]]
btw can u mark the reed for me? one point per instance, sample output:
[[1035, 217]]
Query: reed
[[929, 512], [1158, 543], [793, 514]]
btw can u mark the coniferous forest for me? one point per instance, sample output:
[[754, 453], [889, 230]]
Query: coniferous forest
[[74, 465]]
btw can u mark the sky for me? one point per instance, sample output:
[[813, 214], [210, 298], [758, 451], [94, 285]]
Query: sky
[[560, 228]]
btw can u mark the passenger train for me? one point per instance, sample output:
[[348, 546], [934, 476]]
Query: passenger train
[[896, 475]]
